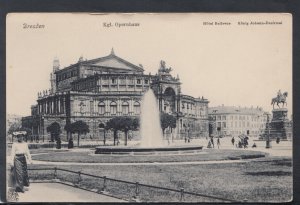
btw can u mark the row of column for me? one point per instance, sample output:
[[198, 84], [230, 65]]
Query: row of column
[[100, 84], [52, 105]]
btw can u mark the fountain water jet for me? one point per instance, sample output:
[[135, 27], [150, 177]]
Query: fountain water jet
[[151, 132]]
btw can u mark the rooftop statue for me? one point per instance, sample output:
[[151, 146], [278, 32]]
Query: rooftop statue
[[280, 98], [163, 67]]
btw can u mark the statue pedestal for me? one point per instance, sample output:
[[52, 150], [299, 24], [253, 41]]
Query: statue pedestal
[[280, 126]]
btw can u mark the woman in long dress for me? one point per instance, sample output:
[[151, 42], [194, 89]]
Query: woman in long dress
[[19, 156]]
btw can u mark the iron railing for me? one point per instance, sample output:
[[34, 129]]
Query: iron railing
[[127, 190]]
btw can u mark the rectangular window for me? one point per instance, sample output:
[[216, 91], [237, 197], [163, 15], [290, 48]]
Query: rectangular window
[[146, 81], [91, 106], [125, 109], [224, 124], [137, 109], [101, 109], [113, 81], [138, 81], [113, 110]]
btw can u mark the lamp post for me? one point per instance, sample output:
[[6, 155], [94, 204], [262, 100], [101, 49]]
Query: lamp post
[[42, 127], [268, 142]]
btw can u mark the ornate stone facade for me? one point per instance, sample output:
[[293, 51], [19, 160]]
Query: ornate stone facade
[[97, 90]]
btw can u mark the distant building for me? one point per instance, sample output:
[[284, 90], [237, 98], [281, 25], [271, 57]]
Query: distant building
[[99, 89], [234, 121]]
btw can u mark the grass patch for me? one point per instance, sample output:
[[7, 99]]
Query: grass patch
[[287, 163], [270, 173], [222, 180], [212, 154]]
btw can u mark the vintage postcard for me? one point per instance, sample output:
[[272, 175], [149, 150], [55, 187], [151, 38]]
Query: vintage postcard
[[148, 107]]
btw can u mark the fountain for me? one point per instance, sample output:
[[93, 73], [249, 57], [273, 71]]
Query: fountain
[[151, 133]]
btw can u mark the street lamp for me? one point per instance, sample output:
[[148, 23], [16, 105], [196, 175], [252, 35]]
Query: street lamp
[[42, 127], [268, 142]]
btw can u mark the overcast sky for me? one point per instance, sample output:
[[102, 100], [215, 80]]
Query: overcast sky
[[227, 64]]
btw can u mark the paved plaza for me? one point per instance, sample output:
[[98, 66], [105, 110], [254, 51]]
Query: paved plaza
[[54, 192]]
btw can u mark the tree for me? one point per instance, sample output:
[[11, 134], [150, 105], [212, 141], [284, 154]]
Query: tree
[[124, 124], [114, 125], [14, 127], [55, 131], [79, 127], [30, 123], [128, 123], [69, 135], [103, 127], [167, 121]]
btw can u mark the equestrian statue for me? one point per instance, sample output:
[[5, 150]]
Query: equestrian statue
[[281, 98]]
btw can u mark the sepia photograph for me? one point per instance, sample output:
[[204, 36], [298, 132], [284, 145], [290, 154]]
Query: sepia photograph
[[149, 107]]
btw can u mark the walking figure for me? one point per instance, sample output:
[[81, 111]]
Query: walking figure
[[209, 144], [212, 142], [232, 141], [218, 142]]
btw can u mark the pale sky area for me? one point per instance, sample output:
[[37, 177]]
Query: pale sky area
[[230, 64]]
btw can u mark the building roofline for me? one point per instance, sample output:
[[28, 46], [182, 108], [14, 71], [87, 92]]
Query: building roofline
[[101, 59]]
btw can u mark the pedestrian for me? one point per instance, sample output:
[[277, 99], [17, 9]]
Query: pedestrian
[[19, 157], [240, 145], [218, 142], [232, 141], [277, 140], [245, 143], [209, 144], [212, 142], [185, 139]]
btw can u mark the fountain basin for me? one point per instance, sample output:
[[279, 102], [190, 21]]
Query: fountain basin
[[146, 150]]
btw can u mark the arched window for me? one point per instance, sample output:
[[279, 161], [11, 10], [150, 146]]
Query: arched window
[[113, 108], [101, 126], [125, 108], [137, 108], [101, 108]]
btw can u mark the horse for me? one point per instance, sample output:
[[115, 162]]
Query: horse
[[280, 99]]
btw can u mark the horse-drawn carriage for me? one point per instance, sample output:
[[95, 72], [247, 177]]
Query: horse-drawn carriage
[[243, 141]]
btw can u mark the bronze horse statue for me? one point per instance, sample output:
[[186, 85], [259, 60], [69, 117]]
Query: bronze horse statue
[[280, 99]]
